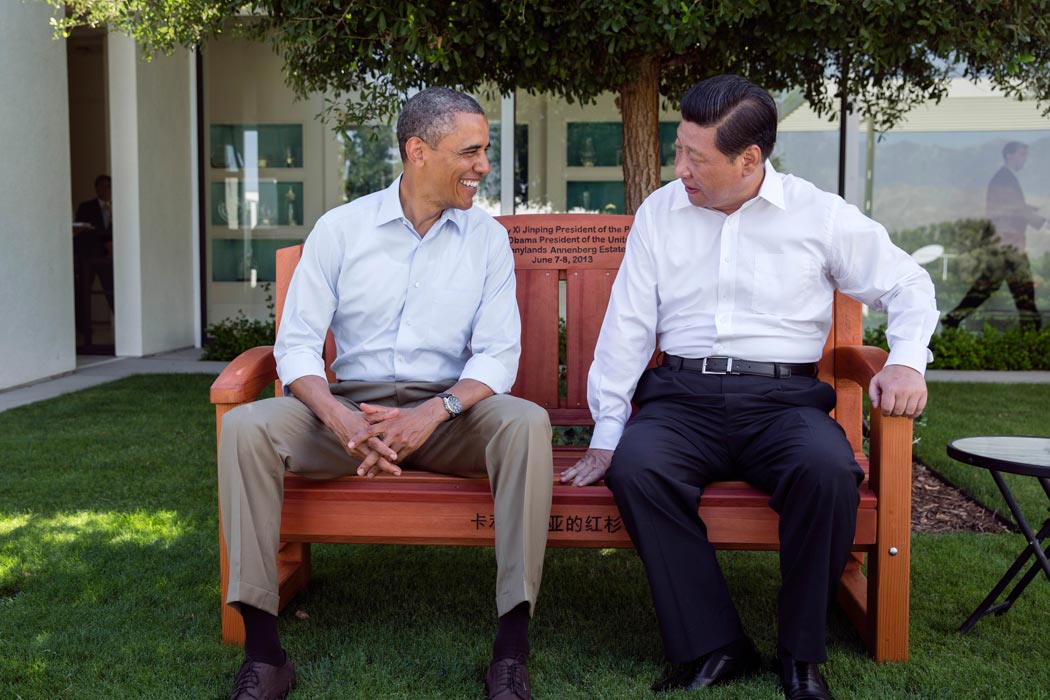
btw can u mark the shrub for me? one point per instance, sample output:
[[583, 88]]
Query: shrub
[[991, 349], [571, 435], [957, 348], [230, 337]]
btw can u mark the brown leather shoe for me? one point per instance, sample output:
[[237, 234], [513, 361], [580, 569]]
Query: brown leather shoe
[[508, 679], [719, 666], [259, 681]]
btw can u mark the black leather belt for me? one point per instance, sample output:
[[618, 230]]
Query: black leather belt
[[732, 365]]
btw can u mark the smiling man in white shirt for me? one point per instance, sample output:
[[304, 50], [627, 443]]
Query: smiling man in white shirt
[[418, 288], [731, 270]]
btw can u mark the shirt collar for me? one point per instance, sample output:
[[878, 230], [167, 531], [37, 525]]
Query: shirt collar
[[390, 204], [771, 190], [390, 209]]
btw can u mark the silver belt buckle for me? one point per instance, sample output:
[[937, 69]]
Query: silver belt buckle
[[705, 370]]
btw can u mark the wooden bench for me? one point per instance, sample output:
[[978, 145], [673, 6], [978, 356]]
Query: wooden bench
[[580, 254]]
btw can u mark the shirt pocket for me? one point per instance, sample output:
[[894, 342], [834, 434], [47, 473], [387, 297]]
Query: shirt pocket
[[452, 314], [780, 284]]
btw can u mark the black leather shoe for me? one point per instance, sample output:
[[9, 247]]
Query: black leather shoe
[[721, 665], [259, 681], [508, 679], [802, 680]]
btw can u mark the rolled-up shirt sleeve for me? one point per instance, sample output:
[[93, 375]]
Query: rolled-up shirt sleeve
[[495, 342], [627, 338], [869, 267], [308, 308]]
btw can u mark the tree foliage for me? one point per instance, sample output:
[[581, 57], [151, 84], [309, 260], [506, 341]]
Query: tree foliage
[[888, 54]]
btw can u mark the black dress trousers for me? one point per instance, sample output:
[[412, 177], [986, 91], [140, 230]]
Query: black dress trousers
[[776, 434]]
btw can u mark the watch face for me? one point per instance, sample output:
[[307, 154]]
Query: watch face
[[452, 404]]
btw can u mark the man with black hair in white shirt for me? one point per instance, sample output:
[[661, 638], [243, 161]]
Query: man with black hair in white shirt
[[417, 286], [731, 270]]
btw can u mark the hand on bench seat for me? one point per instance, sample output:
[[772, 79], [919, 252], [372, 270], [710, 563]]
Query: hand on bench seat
[[591, 467]]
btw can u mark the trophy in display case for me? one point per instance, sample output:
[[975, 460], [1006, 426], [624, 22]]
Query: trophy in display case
[[289, 197]]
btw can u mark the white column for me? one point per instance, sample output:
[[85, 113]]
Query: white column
[[151, 129], [195, 241], [124, 156], [37, 330]]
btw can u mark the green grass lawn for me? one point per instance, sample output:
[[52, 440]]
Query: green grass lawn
[[109, 584]]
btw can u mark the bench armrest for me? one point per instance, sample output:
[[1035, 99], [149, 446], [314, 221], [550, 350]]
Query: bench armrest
[[891, 436], [859, 363], [243, 379]]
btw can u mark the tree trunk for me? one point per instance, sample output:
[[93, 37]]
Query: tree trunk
[[639, 109]]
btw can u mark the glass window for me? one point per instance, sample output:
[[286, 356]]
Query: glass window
[[570, 157], [370, 160], [265, 174], [970, 206], [273, 168]]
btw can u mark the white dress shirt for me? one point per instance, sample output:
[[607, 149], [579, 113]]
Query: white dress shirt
[[757, 284], [403, 307]]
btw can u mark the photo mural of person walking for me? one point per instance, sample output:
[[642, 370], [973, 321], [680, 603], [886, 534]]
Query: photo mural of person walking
[[1005, 258]]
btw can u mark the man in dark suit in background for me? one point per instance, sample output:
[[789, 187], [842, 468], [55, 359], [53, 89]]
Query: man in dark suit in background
[[93, 247], [98, 210]]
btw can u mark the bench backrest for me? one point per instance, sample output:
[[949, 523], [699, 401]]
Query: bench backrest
[[580, 254]]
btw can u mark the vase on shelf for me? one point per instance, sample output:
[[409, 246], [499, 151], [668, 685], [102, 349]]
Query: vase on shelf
[[588, 153]]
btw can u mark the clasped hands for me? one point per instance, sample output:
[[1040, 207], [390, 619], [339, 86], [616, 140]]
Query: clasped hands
[[381, 436]]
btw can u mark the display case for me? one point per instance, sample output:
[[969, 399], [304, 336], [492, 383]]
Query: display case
[[233, 146], [251, 260], [256, 203], [255, 198], [598, 144], [594, 164]]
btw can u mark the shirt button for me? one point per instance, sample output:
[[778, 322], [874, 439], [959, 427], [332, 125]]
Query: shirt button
[[720, 348], [416, 284]]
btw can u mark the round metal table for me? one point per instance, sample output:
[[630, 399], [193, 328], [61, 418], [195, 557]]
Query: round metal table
[[1025, 456]]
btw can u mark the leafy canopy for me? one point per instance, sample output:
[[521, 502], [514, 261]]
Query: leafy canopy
[[366, 55]]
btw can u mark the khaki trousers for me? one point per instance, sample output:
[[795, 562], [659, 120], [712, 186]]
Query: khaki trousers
[[503, 437]]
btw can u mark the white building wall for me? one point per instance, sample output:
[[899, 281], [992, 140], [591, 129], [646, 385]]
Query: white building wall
[[37, 334], [151, 125]]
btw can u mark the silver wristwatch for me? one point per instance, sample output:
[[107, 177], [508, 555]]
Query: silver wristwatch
[[452, 404]]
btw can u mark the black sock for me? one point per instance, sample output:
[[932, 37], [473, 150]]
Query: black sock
[[261, 642], [512, 637]]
